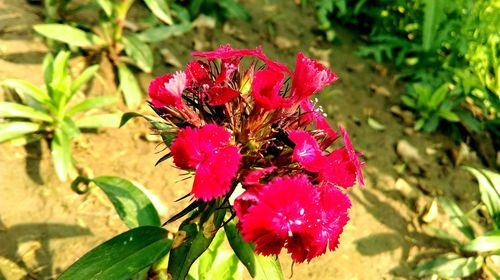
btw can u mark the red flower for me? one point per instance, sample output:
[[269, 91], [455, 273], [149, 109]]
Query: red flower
[[226, 52], [252, 179], [197, 73], [290, 212], [207, 150], [280, 214], [219, 95], [338, 169], [312, 114], [266, 86], [167, 90], [309, 77], [353, 157], [306, 151]]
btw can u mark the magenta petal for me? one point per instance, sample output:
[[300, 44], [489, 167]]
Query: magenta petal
[[310, 77], [338, 169], [220, 95], [266, 86], [352, 155], [167, 90], [306, 151]]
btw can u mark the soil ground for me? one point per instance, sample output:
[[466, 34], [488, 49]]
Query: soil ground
[[44, 226]]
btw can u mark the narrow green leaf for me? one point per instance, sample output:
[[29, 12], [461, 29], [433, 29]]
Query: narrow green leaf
[[91, 103], [25, 88], [86, 75], [131, 115], [48, 68], [489, 187], [139, 52], [106, 6], [433, 14], [13, 130], [157, 34], [62, 156], [132, 205], [234, 10], [483, 244], [69, 35], [160, 9], [15, 110], [207, 259], [132, 93], [449, 116], [70, 128], [450, 266], [122, 256], [439, 95], [260, 267], [457, 217], [192, 239], [95, 121]]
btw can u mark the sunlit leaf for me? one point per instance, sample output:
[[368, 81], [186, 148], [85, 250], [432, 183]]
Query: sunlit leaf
[[131, 203], [489, 187], [129, 86], [157, 34], [122, 256], [457, 217], [260, 267], [23, 87], [160, 9], [450, 266], [13, 130], [91, 103], [483, 244], [62, 155], [84, 77], [15, 110], [68, 34], [139, 52], [95, 121]]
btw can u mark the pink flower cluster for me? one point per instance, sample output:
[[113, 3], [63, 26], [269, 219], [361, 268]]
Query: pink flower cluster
[[241, 119]]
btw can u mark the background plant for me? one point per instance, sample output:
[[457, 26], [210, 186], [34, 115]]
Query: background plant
[[53, 113], [121, 46], [432, 43], [472, 255]]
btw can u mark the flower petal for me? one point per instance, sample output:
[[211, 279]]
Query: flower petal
[[309, 77], [306, 151], [266, 86]]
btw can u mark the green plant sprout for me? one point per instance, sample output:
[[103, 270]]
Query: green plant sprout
[[476, 252], [53, 113], [122, 48]]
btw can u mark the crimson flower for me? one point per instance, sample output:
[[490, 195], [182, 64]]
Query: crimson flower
[[208, 151], [240, 119]]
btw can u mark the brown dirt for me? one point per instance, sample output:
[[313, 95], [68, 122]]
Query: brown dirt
[[44, 226]]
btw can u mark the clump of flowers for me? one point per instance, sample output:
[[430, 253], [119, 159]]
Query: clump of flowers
[[241, 119]]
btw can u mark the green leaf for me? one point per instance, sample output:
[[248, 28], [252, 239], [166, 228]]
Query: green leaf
[[207, 259], [15, 110], [160, 9], [59, 84], [157, 34], [70, 128], [433, 15], [489, 187], [131, 115], [69, 35], [483, 244], [139, 52], [192, 239], [13, 130], [234, 10], [48, 68], [260, 267], [449, 116], [61, 155], [95, 121], [28, 89], [91, 103], [106, 6], [122, 256], [131, 203], [86, 75], [457, 217], [439, 95], [129, 86], [450, 266]]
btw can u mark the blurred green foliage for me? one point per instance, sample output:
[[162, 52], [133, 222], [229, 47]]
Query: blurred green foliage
[[435, 44]]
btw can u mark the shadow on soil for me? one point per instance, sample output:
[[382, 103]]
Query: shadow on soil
[[41, 233]]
